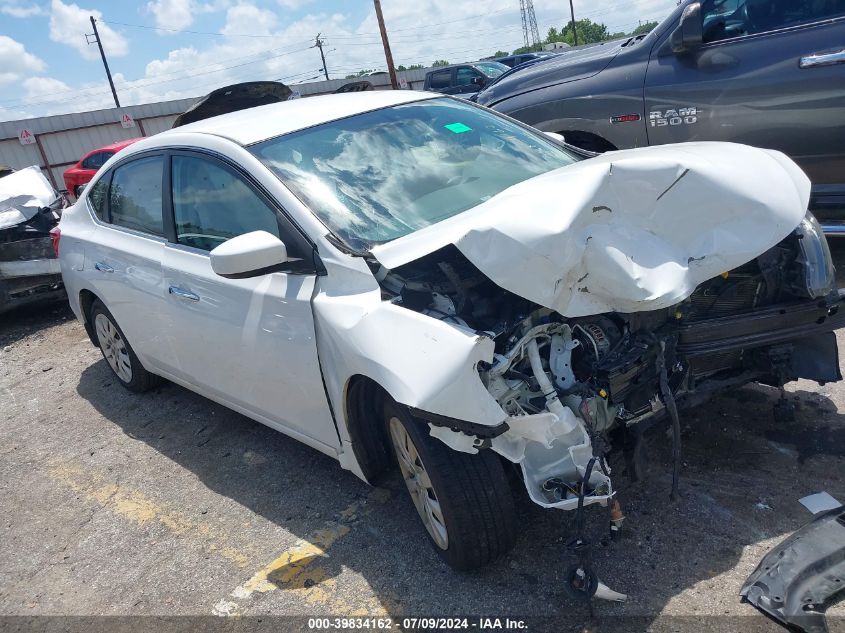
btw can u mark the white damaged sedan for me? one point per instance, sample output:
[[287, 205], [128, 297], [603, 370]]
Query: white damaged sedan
[[406, 277]]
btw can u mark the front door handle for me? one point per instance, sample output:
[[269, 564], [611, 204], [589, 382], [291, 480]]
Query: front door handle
[[103, 268], [176, 291], [822, 59]]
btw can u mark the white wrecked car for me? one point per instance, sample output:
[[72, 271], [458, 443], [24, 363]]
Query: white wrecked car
[[29, 209], [402, 276]]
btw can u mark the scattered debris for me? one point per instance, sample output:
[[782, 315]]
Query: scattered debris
[[801, 577]]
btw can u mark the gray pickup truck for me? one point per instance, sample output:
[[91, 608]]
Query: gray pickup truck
[[768, 73]]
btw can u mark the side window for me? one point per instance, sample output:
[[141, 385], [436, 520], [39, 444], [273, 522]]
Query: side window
[[465, 76], [211, 204], [97, 197], [725, 19], [440, 79], [94, 161], [135, 195]]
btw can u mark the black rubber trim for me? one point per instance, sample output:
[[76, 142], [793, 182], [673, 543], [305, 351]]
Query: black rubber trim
[[461, 426]]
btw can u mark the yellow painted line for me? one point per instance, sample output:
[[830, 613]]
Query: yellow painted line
[[138, 508], [295, 568]]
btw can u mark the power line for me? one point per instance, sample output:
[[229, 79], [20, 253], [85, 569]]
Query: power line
[[319, 44], [96, 36], [136, 84], [259, 54], [388, 56], [162, 28]]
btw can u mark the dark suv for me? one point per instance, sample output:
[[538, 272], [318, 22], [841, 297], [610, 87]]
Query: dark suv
[[769, 73], [463, 79]]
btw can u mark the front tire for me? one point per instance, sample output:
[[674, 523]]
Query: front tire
[[463, 500], [118, 353]]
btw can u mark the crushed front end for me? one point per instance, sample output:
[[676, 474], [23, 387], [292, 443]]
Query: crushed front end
[[571, 387], [29, 209]]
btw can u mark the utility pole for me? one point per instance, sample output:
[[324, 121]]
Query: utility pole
[[387, 54], [574, 32], [319, 44], [96, 36]]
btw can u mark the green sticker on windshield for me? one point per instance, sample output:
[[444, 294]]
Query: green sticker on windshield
[[458, 128]]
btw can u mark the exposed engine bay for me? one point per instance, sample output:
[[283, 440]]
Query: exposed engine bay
[[571, 387]]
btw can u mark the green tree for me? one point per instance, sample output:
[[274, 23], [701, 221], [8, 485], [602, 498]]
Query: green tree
[[439, 62], [644, 28], [588, 32], [416, 66], [501, 54]]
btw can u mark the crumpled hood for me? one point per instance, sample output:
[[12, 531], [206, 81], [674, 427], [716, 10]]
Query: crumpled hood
[[627, 231], [565, 67], [23, 194]]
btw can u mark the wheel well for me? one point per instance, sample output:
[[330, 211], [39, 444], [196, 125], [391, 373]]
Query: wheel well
[[365, 400], [588, 141], [86, 300]]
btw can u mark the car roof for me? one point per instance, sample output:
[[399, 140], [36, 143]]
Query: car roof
[[116, 146], [269, 121]]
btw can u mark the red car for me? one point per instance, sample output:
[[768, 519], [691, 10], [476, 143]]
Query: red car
[[83, 171]]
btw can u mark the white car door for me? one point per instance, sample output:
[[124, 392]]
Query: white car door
[[247, 342], [123, 256]]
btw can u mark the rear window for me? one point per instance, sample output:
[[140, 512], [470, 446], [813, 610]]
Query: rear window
[[136, 201], [491, 69], [97, 197], [94, 161], [440, 79]]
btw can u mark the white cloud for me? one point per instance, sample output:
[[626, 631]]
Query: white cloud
[[69, 23], [173, 15], [293, 4], [17, 10], [247, 18], [16, 62], [36, 88]]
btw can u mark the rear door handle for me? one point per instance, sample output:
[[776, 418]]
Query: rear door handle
[[103, 268], [822, 59], [176, 291]]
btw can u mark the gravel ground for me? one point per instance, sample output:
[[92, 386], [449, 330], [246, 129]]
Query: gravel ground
[[167, 504]]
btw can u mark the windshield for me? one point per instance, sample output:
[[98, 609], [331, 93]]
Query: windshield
[[377, 176], [492, 69]]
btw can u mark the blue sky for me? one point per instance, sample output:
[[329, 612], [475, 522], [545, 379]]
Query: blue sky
[[163, 49]]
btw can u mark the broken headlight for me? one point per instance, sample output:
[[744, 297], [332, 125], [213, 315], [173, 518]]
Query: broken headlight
[[814, 258]]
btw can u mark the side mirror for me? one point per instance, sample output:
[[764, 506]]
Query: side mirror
[[689, 34], [555, 137], [478, 81], [249, 255]]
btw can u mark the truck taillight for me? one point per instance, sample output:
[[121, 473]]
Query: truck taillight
[[55, 236]]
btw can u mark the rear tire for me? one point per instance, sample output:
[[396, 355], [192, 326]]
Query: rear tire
[[119, 355], [464, 500]]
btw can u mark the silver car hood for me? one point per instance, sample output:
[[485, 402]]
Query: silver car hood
[[628, 231]]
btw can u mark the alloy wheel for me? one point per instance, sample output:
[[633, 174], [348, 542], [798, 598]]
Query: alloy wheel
[[114, 347], [419, 483]]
